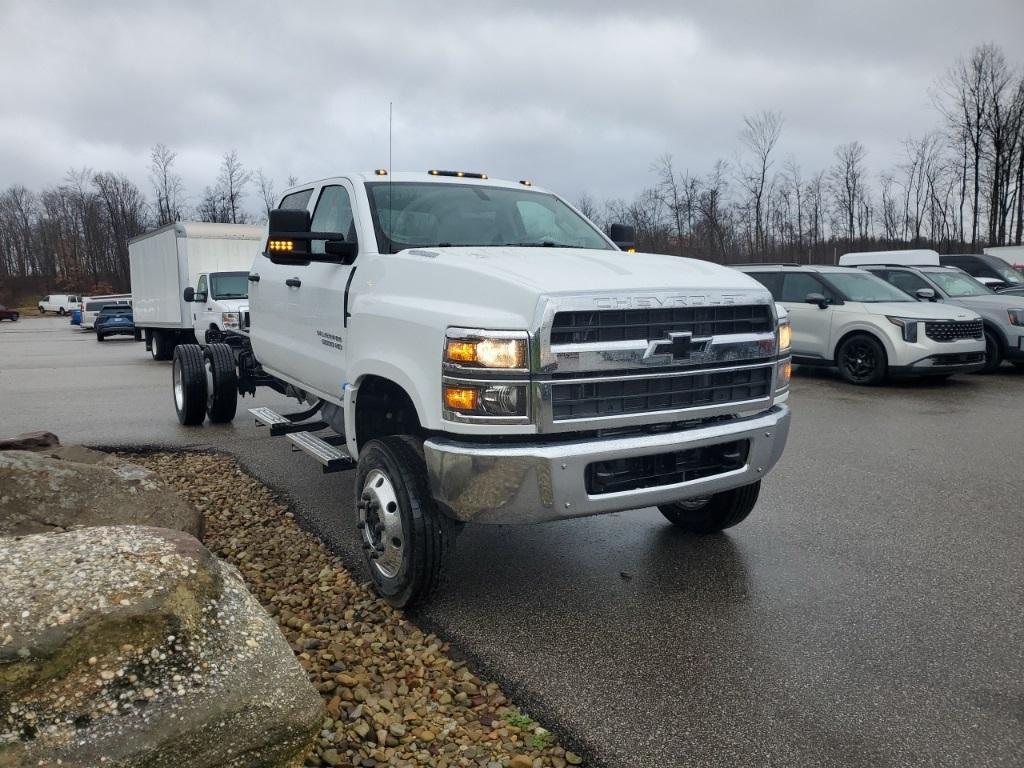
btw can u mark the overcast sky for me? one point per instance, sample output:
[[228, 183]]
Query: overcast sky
[[575, 95]]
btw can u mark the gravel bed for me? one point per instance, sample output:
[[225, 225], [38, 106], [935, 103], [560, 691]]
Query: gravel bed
[[393, 695]]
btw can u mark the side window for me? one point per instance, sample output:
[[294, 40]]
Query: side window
[[796, 286], [770, 280], [333, 214], [907, 282], [296, 200], [201, 285]]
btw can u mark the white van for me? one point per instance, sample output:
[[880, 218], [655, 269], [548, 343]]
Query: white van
[[91, 306], [61, 303]]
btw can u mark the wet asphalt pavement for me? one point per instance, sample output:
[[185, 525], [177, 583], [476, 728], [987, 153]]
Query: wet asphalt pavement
[[869, 613]]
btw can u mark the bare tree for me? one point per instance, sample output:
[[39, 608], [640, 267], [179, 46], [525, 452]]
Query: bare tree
[[847, 180], [760, 134], [167, 185], [231, 182], [266, 185]]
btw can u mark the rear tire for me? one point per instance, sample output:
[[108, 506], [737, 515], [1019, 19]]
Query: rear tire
[[160, 346], [61, 312], [188, 384], [993, 353], [713, 513], [408, 541], [862, 361], [222, 383]]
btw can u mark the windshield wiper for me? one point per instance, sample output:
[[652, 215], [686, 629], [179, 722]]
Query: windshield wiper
[[543, 244]]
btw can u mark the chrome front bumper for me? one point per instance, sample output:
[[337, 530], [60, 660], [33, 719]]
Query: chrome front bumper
[[536, 482]]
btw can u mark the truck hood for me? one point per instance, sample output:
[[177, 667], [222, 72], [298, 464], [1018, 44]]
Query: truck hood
[[232, 305], [578, 270], [919, 310]]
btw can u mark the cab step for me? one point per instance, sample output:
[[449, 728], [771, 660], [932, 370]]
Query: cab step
[[333, 459], [282, 425]]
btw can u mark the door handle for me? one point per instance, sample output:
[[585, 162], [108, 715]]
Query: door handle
[[253, 278], [293, 282]]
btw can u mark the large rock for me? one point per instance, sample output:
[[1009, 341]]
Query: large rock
[[30, 441], [131, 646], [75, 486]]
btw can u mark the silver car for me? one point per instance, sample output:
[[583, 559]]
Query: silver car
[[1002, 313]]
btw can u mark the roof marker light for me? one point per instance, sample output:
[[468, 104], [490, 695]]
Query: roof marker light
[[381, 171], [526, 182]]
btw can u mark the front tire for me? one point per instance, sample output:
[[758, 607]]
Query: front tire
[[14, 317], [407, 539], [993, 353], [712, 514], [188, 382], [862, 361], [100, 337], [222, 383]]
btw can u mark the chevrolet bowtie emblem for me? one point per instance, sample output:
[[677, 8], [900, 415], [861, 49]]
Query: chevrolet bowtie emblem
[[677, 344]]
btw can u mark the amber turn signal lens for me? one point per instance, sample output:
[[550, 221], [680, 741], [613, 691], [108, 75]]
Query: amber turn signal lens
[[460, 398], [785, 372], [280, 245], [461, 351]]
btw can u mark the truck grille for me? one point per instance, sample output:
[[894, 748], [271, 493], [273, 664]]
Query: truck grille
[[640, 394], [630, 474], [951, 330], [585, 327]]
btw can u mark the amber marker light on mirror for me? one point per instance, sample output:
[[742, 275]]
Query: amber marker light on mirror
[[460, 398], [280, 245]]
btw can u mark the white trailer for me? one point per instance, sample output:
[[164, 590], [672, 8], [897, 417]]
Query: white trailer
[[184, 255]]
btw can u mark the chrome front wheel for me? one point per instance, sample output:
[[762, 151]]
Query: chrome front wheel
[[381, 524]]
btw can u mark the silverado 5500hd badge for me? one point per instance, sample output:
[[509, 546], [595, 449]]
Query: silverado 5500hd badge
[[330, 340]]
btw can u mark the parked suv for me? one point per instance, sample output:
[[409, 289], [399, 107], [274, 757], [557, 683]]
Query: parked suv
[[990, 270], [61, 303], [114, 319], [1002, 314], [869, 329]]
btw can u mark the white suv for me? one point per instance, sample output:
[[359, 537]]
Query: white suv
[[61, 303], [869, 329]]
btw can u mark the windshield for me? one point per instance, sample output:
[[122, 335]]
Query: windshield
[[957, 284], [230, 285], [424, 214], [1005, 271], [865, 287]]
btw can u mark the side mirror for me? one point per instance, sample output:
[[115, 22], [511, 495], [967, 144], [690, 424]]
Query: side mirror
[[344, 250], [623, 235], [925, 294], [288, 236], [817, 298], [189, 294]]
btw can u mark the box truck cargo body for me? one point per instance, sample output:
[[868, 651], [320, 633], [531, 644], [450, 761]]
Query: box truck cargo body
[[168, 260]]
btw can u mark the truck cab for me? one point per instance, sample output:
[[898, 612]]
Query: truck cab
[[479, 352], [219, 300]]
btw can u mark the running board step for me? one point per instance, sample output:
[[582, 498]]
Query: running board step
[[282, 425], [333, 459]]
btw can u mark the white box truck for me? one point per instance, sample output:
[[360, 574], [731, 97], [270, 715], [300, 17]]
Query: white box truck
[[189, 281]]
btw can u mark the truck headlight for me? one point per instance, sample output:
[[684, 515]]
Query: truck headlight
[[495, 400], [467, 348], [229, 319], [1016, 316], [908, 325], [785, 336]]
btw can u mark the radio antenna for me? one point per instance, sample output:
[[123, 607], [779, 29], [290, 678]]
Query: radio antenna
[[391, 247]]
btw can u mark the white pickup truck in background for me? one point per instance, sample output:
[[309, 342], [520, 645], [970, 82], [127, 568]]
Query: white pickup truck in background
[[478, 351], [189, 282]]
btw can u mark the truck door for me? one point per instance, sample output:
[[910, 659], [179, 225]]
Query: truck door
[[319, 322], [201, 309]]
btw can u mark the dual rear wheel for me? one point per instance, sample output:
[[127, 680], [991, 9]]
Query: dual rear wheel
[[204, 383]]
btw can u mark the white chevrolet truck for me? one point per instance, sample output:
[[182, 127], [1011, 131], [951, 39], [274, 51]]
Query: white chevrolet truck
[[479, 352]]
